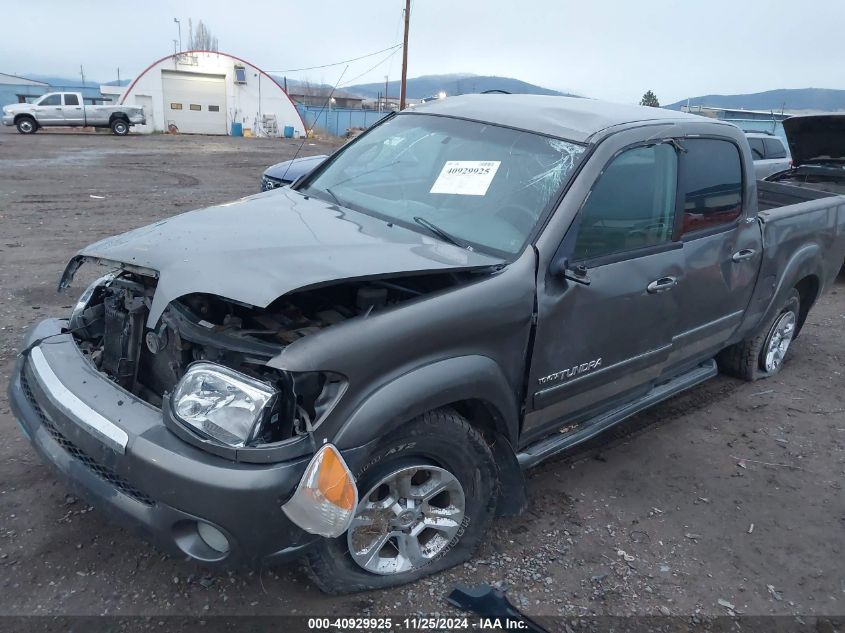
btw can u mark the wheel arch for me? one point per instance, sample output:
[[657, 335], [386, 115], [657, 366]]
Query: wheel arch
[[808, 289], [25, 115], [803, 273], [475, 387]]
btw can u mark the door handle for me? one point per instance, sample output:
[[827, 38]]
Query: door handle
[[661, 285], [745, 253]]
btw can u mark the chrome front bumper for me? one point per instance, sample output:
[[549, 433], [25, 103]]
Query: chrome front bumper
[[113, 449], [75, 409]]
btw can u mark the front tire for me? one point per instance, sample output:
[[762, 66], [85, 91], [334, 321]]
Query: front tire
[[427, 497], [26, 125], [119, 127], [764, 353]]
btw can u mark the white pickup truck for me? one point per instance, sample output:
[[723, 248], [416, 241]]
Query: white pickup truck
[[68, 109]]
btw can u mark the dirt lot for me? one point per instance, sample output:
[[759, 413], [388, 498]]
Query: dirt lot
[[655, 519]]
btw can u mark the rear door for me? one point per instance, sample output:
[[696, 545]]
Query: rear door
[[72, 112], [721, 247], [604, 332], [769, 155], [776, 155]]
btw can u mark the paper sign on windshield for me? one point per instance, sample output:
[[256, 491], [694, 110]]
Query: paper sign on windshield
[[466, 177]]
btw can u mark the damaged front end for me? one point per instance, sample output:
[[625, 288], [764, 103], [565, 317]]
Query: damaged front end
[[205, 361]]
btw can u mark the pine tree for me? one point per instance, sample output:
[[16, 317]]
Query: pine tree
[[650, 99]]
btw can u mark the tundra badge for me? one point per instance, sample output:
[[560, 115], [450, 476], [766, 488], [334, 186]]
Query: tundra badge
[[566, 374]]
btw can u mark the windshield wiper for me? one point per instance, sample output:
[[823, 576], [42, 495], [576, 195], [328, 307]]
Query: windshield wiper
[[334, 197], [443, 235]]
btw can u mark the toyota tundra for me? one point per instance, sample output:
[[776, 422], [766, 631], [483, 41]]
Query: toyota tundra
[[358, 368]]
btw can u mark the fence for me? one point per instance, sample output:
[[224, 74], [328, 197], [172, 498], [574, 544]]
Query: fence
[[337, 120]]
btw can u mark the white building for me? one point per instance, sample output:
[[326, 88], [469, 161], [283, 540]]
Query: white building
[[199, 92], [111, 94]]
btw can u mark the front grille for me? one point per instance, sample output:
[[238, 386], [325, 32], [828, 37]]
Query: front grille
[[103, 472]]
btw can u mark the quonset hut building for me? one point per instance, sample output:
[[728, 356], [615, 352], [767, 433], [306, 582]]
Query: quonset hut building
[[207, 92]]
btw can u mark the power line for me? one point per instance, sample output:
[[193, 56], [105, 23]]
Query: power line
[[372, 68], [347, 61]]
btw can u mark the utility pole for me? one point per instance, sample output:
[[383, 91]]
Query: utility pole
[[405, 55], [82, 73], [118, 75], [179, 26], [385, 92]]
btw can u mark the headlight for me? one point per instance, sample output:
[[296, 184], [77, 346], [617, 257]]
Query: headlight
[[76, 318], [221, 403]]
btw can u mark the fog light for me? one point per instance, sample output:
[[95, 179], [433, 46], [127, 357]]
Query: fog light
[[213, 537]]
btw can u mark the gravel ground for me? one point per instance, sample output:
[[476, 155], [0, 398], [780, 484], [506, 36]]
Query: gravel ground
[[725, 499]]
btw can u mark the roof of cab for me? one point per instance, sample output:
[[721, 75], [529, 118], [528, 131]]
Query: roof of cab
[[572, 118]]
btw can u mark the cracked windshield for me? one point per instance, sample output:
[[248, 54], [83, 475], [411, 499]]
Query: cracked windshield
[[475, 185]]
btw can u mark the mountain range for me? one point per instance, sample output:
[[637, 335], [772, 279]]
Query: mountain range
[[795, 99], [456, 84], [824, 99], [430, 85]]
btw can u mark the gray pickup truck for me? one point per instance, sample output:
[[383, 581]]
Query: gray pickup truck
[[357, 369], [68, 109]]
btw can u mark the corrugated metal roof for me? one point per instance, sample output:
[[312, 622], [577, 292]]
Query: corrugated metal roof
[[19, 81]]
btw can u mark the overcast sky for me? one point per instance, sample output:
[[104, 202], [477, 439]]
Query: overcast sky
[[608, 49]]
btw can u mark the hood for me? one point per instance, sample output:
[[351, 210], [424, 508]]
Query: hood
[[290, 170], [259, 248], [816, 137]]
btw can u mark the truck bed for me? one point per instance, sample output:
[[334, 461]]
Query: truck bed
[[774, 195], [800, 223]]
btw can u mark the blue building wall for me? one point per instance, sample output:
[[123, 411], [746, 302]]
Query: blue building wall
[[338, 120], [9, 93], [90, 92]]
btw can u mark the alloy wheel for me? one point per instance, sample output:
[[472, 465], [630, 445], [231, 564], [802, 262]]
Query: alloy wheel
[[406, 520], [783, 331]]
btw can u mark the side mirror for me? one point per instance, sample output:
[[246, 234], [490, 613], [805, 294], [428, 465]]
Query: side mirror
[[578, 273]]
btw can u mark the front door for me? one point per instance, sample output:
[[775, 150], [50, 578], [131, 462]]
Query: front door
[[49, 110], [605, 329]]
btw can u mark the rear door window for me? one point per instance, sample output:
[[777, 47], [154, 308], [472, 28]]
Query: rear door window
[[774, 148], [632, 205], [711, 184], [71, 100], [758, 150]]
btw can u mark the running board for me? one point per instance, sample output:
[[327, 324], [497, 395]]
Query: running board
[[554, 444]]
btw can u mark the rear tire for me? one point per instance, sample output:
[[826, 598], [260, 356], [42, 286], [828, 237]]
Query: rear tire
[[439, 442], [763, 354], [26, 125], [119, 127]]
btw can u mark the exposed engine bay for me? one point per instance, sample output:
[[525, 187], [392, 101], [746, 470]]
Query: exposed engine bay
[[111, 330]]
